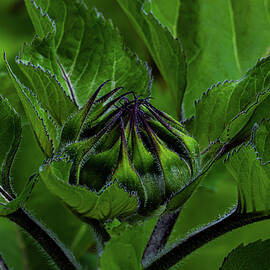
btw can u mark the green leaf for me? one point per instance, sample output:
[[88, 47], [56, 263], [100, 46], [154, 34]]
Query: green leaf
[[44, 128], [228, 111], [251, 174], [19, 201], [166, 12], [8, 91], [125, 249], [222, 39], [49, 91], [10, 137], [260, 139], [82, 241], [43, 24], [112, 201], [15, 27], [82, 61], [164, 48], [181, 196], [251, 256], [251, 24]]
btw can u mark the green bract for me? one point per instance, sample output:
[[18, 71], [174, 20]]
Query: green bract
[[118, 156]]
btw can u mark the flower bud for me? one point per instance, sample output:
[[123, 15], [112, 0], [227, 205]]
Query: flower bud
[[127, 143]]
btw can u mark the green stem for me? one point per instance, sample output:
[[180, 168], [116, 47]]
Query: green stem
[[231, 221], [53, 247]]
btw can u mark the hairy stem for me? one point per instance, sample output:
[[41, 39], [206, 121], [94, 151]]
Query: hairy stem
[[231, 221], [61, 257], [100, 233], [160, 235]]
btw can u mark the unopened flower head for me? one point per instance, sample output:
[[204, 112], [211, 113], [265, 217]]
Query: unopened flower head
[[128, 140]]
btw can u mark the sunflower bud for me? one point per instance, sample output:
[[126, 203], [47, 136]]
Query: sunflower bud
[[125, 147]]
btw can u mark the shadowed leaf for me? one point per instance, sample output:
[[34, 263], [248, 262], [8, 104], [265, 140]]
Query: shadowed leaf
[[251, 256]]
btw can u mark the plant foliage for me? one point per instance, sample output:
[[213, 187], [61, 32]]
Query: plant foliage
[[117, 171]]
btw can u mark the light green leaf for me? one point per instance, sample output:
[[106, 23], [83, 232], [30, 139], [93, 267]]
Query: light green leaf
[[166, 12], [228, 111], [10, 137], [251, 174], [12, 206], [252, 256], [164, 48], [125, 249], [112, 201], [222, 39], [44, 128], [43, 24], [49, 91], [82, 61], [251, 25]]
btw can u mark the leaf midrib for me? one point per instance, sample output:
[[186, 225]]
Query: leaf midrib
[[234, 41]]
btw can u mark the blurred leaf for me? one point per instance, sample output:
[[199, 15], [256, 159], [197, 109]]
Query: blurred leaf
[[82, 241], [165, 50], [222, 39], [162, 99], [5, 4], [15, 27], [12, 246], [252, 176], [112, 201], [253, 256], [44, 128], [10, 137], [125, 249], [82, 61], [228, 111], [251, 26]]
